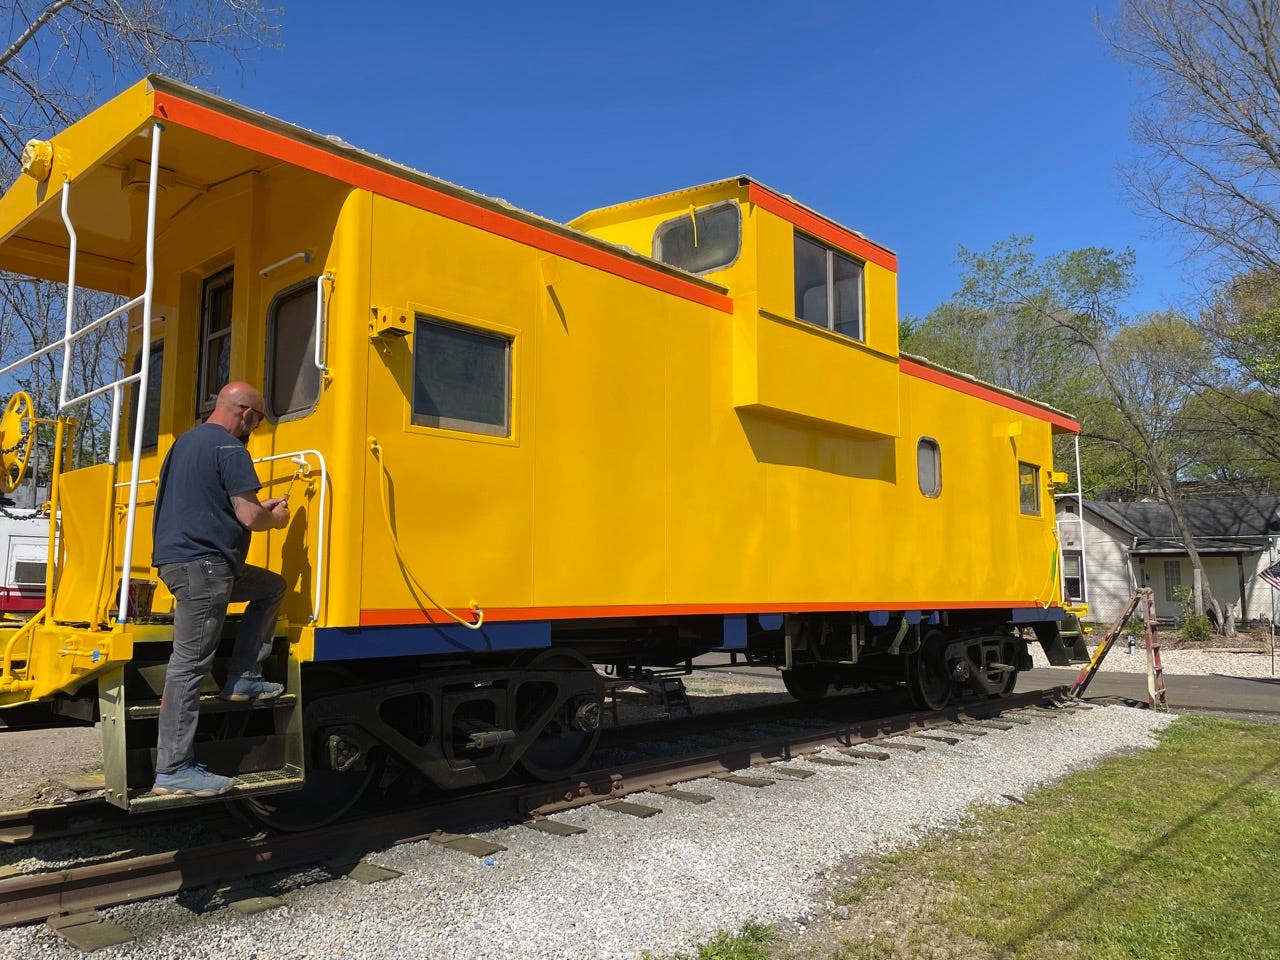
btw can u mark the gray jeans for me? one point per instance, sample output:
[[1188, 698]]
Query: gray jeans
[[203, 588]]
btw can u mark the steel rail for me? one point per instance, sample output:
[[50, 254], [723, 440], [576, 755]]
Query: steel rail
[[86, 816], [29, 898]]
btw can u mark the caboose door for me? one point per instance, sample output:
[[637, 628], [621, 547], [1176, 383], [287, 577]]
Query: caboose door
[[292, 451]]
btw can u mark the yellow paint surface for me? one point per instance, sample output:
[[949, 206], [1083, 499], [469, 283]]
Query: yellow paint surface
[[660, 452]]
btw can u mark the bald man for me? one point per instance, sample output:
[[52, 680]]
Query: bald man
[[206, 507]]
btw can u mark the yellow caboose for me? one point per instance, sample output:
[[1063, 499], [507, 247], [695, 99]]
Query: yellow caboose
[[515, 449]]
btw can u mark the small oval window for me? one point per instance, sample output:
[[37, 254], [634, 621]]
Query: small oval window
[[705, 240], [929, 467]]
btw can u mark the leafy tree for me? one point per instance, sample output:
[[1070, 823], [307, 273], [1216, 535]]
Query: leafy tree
[[1131, 384], [1243, 323]]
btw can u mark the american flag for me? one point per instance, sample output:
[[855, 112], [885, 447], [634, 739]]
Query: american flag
[[1271, 575]]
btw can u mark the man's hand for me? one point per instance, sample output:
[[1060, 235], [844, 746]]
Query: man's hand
[[269, 514], [278, 507]]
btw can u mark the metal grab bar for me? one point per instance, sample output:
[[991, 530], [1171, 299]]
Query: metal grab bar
[[300, 457], [144, 371], [72, 338], [321, 331], [7, 680]]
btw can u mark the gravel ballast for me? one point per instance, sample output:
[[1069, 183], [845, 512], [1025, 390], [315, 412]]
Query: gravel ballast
[[1197, 663], [629, 885]]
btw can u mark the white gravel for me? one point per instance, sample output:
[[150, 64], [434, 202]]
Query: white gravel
[[1182, 662], [630, 885]]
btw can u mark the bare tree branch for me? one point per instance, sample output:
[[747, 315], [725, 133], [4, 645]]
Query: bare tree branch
[[1210, 128]]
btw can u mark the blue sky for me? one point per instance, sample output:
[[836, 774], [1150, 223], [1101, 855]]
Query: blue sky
[[924, 125]]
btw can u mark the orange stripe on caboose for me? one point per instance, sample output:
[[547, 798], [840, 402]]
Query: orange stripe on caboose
[[362, 176], [989, 394], [821, 227], [398, 617]]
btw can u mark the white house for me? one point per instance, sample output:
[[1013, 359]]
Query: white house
[[1115, 547]]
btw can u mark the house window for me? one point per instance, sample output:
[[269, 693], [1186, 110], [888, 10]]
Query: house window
[[29, 573], [461, 378], [708, 239], [293, 380], [215, 339], [929, 467], [1172, 579], [828, 288], [1029, 489], [150, 416], [1072, 581]]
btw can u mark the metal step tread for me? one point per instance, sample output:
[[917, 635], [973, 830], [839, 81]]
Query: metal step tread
[[247, 785], [212, 703]]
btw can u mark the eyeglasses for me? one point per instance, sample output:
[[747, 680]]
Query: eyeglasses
[[261, 414]]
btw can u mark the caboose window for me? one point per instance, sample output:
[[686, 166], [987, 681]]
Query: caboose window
[[150, 416], [929, 467], [828, 288], [215, 339], [708, 240], [1029, 489], [293, 380], [461, 378]]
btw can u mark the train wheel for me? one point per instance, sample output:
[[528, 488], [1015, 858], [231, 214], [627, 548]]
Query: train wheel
[[327, 794], [569, 737], [1010, 681], [807, 684], [928, 681]]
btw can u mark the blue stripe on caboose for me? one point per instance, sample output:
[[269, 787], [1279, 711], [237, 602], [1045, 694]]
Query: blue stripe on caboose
[[362, 643], [735, 633], [1036, 615]]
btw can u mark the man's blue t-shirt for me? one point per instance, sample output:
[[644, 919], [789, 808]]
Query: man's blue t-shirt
[[194, 516]]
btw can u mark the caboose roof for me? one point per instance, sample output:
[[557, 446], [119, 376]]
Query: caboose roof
[[754, 191], [206, 141]]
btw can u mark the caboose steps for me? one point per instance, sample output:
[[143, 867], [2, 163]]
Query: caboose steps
[[259, 742], [247, 785], [212, 703]]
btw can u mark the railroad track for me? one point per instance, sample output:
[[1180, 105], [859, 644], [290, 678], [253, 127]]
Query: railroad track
[[53, 895]]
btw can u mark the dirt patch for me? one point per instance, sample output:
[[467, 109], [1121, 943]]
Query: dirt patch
[[31, 761], [1246, 640], [885, 919]]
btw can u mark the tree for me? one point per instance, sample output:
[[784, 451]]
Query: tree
[[1242, 323], [1209, 125], [59, 58], [1137, 379], [60, 53]]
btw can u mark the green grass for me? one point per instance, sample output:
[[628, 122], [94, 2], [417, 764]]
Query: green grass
[[749, 943], [1171, 853]]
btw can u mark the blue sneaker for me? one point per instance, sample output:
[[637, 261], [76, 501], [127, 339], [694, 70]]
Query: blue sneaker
[[251, 688], [193, 779]]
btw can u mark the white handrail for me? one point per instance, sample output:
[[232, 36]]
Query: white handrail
[[301, 254], [300, 457], [70, 338], [72, 248], [321, 313], [114, 384], [144, 370], [114, 448]]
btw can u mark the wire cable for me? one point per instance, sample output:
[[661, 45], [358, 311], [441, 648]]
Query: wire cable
[[383, 479]]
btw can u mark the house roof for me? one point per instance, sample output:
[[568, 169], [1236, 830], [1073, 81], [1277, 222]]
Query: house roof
[[1218, 524]]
